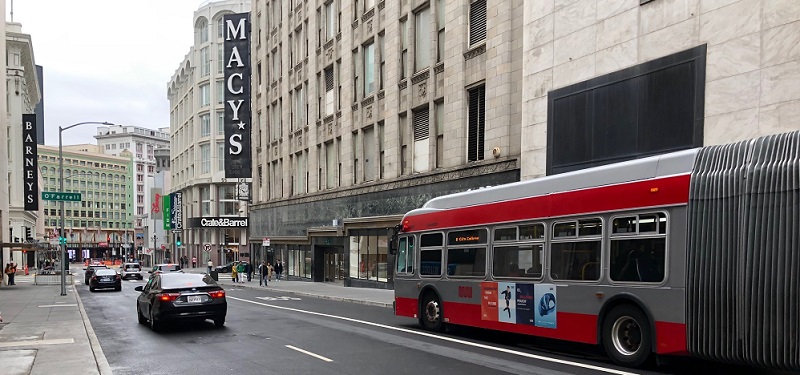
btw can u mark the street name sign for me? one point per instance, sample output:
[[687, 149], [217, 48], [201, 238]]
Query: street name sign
[[55, 196]]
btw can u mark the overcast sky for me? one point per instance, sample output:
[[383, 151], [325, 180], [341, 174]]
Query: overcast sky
[[105, 60]]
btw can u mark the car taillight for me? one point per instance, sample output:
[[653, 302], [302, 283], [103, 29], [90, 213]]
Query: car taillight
[[167, 297], [217, 294], [94, 277]]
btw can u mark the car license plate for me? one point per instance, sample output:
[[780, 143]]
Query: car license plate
[[193, 299], [106, 279]]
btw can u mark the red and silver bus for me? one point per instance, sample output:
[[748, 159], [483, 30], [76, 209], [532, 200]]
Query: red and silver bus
[[695, 252]]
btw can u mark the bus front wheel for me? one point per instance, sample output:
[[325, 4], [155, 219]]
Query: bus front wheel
[[431, 317], [626, 336]]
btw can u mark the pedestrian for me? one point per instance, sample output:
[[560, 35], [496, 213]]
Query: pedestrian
[[194, 262], [263, 274], [278, 269], [10, 270], [210, 264], [234, 271], [240, 271], [248, 268]]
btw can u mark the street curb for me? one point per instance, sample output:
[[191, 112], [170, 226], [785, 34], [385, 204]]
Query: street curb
[[102, 363], [305, 294]]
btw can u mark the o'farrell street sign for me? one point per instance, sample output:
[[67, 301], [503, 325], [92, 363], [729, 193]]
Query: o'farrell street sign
[[67, 197]]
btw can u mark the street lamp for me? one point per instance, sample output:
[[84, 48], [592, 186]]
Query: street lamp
[[155, 237], [63, 249]]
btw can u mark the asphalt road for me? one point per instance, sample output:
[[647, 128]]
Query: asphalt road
[[275, 333]]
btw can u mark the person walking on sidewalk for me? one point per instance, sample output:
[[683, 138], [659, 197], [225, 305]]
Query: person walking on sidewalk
[[234, 272], [263, 274], [278, 269], [11, 270], [270, 272], [194, 262], [248, 268], [210, 264], [240, 270]]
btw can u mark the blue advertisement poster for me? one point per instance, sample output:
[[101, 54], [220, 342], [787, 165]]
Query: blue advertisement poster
[[506, 293], [544, 296], [525, 304]]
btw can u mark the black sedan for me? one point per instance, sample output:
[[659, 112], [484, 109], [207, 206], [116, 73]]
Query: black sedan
[[225, 268], [177, 295], [90, 271], [105, 278]]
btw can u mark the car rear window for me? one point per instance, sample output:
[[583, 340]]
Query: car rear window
[[105, 272], [185, 280], [132, 267]]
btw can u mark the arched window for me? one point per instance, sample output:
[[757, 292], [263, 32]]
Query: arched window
[[202, 30]]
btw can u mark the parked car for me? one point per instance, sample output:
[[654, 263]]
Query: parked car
[[131, 270], [170, 296], [90, 271], [165, 267], [225, 268], [105, 278]]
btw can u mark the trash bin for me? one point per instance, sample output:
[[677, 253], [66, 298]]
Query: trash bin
[[215, 275]]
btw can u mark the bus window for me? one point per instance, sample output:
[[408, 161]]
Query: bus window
[[564, 229], [638, 260], [653, 223], [505, 234], [429, 240], [531, 232], [624, 225], [466, 261], [578, 261], [590, 227], [430, 262], [405, 255], [520, 261]]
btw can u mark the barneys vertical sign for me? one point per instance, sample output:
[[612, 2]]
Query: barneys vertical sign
[[238, 162], [30, 169]]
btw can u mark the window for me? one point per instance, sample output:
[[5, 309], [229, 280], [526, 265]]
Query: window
[[205, 201], [205, 158], [421, 140], [404, 149], [477, 22], [356, 83], [330, 20], [381, 150], [329, 90], [405, 256], [221, 27], [205, 96], [638, 248], [369, 253], [330, 165], [202, 31], [205, 125], [205, 59], [300, 178], [422, 40], [439, 125], [440, 26], [404, 46], [220, 156], [228, 204], [477, 116], [356, 153], [220, 92], [369, 154], [299, 108], [466, 253], [220, 122], [369, 69], [575, 251], [220, 58], [382, 52]]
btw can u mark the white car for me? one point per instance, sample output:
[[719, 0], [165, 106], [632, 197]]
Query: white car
[[131, 270]]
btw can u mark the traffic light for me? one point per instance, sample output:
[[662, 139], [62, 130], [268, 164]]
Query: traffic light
[[178, 241], [28, 234], [62, 240], [226, 238]]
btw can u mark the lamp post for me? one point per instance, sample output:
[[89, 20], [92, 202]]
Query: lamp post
[[155, 237], [63, 246]]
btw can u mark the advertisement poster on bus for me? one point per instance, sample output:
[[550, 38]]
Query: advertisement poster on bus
[[489, 301], [525, 304], [546, 309], [508, 305]]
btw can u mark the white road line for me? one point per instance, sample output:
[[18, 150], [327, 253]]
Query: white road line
[[64, 305], [450, 339], [326, 359]]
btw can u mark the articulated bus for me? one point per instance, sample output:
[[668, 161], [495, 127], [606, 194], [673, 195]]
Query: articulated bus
[[695, 252]]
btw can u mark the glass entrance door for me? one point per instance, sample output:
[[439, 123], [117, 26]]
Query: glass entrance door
[[334, 266]]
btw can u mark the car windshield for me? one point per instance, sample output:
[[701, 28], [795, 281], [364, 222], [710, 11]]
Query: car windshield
[[185, 280], [105, 272]]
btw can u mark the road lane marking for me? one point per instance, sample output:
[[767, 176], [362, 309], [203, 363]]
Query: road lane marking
[[282, 298], [12, 344], [444, 338], [64, 305], [326, 359]]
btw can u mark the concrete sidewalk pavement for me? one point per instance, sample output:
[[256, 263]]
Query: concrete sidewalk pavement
[[326, 290], [44, 332]]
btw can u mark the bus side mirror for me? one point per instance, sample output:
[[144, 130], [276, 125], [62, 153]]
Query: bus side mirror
[[393, 240]]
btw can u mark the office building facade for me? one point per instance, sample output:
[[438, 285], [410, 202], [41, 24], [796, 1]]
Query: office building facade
[[196, 95], [364, 110]]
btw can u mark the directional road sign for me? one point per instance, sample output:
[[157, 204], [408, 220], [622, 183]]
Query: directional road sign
[[56, 196]]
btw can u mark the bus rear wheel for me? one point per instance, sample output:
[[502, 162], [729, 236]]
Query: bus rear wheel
[[626, 336], [431, 317]]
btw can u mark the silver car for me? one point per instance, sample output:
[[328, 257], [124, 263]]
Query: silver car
[[131, 271]]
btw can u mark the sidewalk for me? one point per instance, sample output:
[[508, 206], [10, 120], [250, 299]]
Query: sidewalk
[[333, 291], [44, 332]]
